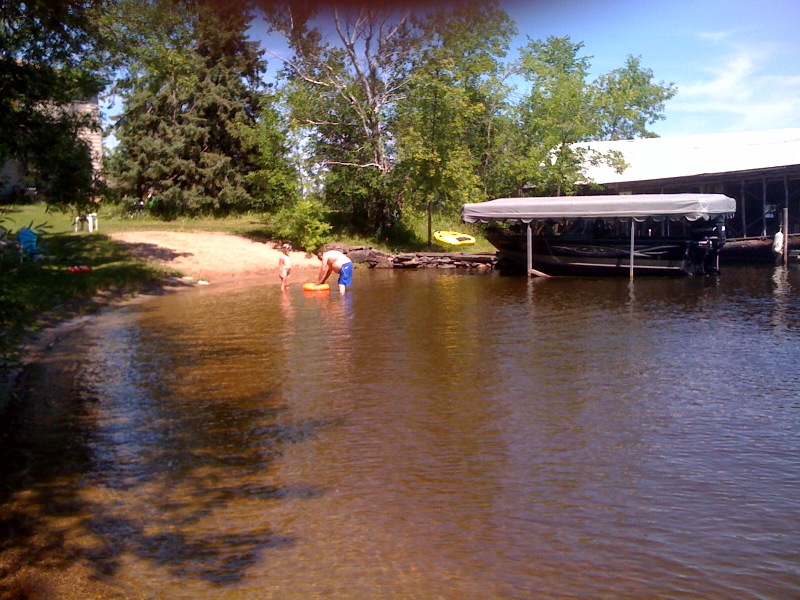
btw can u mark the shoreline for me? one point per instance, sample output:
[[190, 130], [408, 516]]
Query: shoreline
[[54, 328], [43, 382], [217, 259]]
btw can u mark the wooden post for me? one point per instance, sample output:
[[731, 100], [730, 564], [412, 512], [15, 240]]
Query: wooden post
[[785, 221], [786, 235], [744, 218], [786, 197]]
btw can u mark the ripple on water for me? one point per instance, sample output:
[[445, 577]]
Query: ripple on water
[[450, 436]]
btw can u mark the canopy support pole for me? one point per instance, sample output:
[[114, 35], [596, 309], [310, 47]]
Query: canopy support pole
[[744, 217], [531, 270], [530, 250], [633, 221], [786, 235]]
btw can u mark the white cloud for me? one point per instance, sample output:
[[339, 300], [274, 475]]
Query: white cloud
[[716, 36], [740, 91], [730, 76]]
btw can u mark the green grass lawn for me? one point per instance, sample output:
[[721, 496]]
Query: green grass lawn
[[112, 219]]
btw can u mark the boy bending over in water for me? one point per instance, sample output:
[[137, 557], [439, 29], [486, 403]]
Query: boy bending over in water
[[334, 261]]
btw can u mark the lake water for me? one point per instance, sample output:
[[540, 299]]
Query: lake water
[[428, 435]]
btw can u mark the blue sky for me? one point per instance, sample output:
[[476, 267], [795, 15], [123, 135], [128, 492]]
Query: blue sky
[[735, 62]]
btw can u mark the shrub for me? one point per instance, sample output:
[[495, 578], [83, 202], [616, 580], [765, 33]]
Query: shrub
[[304, 223]]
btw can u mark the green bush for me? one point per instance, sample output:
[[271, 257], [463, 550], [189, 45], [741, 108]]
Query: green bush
[[304, 224]]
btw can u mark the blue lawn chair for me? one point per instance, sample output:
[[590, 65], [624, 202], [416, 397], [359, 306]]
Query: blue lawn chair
[[28, 243]]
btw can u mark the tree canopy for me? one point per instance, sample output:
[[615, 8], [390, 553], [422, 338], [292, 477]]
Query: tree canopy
[[444, 124], [422, 113], [197, 133], [341, 96], [375, 112], [52, 54], [564, 107]]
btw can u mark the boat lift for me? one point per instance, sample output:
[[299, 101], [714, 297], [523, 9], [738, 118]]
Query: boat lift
[[636, 207]]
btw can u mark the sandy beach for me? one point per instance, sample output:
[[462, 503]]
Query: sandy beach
[[216, 257]]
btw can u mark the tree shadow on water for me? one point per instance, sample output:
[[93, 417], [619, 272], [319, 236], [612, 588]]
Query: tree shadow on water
[[175, 489]]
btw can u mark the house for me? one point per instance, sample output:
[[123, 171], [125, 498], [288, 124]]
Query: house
[[13, 174], [760, 169]]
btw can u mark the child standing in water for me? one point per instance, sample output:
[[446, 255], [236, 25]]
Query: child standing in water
[[285, 266]]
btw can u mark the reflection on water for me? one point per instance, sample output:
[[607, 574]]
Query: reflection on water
[[428, 436]]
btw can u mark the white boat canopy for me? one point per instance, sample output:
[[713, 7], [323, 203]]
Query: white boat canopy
[[639, 207]]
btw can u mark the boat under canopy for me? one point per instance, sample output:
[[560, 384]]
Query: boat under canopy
[[584, 235]]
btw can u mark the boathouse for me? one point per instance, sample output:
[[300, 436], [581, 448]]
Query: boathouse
[[760, 169]]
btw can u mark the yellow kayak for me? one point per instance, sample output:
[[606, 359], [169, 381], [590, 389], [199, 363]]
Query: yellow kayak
[[453, 238]]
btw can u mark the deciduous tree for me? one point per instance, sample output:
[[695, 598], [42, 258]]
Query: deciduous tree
[[342, 92], [563, 107], [631, 101], [445, 125]]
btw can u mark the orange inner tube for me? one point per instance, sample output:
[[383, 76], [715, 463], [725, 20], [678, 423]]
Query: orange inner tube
[[313, 287]]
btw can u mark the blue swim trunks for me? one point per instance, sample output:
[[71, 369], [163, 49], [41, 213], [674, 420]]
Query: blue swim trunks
[[346, 274]]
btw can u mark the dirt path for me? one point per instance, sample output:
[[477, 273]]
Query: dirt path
[[215, 257]]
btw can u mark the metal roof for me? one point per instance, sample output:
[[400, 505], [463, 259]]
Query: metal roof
[[696, 155]]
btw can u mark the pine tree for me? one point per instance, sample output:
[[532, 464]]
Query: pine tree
[[187, 135]]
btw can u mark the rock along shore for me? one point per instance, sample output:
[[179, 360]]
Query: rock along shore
[[481, 261]]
